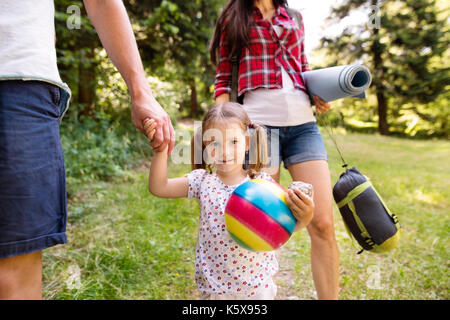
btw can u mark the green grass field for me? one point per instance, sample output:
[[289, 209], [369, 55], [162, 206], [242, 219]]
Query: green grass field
[[126, 244]]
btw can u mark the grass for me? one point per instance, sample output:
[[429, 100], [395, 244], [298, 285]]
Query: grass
[[413, 178], [126, 244]]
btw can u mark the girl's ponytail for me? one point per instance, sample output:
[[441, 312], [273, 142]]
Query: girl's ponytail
[[258, 150], [198, 151]]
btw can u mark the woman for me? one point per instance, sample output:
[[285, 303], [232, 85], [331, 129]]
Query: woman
[[270, 47]]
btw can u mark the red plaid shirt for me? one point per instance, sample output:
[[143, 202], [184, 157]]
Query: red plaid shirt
[[260, 64]]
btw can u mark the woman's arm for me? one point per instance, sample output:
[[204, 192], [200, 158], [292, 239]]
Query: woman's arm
[[223, 98], [159, 185], [222, 85]]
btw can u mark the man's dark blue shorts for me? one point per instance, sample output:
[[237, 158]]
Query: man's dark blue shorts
[[33, 201]]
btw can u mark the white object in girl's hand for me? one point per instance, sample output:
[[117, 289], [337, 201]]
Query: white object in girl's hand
[[304, 187]]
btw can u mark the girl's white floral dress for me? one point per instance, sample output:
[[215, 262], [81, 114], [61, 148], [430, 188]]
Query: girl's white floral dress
[[222, 267]]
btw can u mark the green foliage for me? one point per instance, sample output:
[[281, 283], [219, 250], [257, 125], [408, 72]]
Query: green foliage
[[173, 36], [74, 46], [104, 145], [408, 56], [98, 149]]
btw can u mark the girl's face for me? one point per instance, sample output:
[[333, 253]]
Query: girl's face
[[226, 144]]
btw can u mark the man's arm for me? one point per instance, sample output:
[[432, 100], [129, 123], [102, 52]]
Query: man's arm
[[111, 21]]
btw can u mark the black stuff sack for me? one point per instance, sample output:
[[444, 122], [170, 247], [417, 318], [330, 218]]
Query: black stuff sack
[[365, 214]]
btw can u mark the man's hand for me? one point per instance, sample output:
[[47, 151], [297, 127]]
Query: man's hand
[[146, 106], [321, 105]]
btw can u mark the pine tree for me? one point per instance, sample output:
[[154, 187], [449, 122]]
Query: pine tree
[[404, 49]]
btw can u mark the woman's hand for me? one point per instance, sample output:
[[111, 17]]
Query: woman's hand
[[321, 105], [302, 207]]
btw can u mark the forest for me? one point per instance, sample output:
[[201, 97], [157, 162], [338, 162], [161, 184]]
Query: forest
[[126, 244], [408, 56]]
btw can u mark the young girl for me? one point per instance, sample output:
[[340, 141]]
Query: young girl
[[269, 46], [223, 269]]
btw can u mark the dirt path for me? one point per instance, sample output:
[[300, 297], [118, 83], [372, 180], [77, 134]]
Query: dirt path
[[285, 278]]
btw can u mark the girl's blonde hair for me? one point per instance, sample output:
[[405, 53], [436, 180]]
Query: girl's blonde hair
[[222, 113]]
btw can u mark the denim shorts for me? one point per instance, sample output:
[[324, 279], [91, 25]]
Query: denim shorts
[[33, 201], [295, 144]]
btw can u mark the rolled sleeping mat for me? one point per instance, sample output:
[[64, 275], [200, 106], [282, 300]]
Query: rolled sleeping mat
[[338, 82]]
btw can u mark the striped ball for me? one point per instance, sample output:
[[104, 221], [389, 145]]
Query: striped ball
[[257, 216]]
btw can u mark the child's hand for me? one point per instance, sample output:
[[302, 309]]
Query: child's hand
[[149, 128], [302, 207]]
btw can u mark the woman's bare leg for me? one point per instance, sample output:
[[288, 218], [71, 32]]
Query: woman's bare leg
[[324, 250]]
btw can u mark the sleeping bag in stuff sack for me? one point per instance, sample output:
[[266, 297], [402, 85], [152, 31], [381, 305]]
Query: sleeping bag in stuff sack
[[365, 214]]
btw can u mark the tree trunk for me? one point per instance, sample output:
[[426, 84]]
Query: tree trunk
[[383, 127], [87, 86], [194, 101]]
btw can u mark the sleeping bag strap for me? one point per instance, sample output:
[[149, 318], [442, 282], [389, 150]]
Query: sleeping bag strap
[[364, 233], [323, 120], [348, 201], [352, 239], [354, 193], [294, 14]]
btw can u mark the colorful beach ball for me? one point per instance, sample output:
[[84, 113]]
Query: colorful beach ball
[[257, 216]]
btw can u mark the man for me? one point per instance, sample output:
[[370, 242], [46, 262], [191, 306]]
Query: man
[[33, 100]]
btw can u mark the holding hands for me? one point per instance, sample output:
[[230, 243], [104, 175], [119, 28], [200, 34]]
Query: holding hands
[[149, 128], [162, 132]]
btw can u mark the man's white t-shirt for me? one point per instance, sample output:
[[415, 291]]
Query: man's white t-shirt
[[27, 40], [283, 107]]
